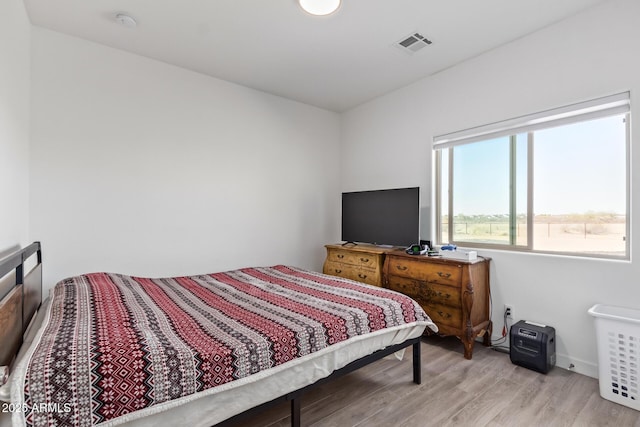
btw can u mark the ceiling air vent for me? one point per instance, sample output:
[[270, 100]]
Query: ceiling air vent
[[413, 43]]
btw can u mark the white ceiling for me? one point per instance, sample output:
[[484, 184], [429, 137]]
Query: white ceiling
[[334, 62]]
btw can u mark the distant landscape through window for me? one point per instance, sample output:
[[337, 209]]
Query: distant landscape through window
[[559, 189]]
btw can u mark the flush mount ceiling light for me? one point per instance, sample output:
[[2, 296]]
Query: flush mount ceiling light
[[125, 20], [319, 7]]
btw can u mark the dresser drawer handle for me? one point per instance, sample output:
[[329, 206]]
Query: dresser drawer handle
[[444, 275], [401, 267], [338, 271], [364, 259], [340, 256], [362, 276], [432, 294], [445, 315]]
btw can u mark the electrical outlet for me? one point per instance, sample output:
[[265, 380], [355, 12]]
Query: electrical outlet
[[508, 311]]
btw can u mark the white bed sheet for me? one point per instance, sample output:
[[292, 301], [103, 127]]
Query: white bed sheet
[[214, 405]]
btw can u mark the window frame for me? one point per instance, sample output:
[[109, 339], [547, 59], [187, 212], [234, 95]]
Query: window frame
[[475, 135]]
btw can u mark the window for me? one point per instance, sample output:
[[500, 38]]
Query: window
[[554, 182]]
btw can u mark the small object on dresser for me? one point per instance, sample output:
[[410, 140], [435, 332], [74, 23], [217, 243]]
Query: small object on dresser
[[460, 254], [416, 250]]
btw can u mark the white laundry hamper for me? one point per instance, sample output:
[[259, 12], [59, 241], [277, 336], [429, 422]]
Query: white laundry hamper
[[618, 339]]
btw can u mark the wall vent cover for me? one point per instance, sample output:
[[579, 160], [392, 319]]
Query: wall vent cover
[[413, 43]]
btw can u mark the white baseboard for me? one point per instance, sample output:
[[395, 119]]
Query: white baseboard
[[577, 365]]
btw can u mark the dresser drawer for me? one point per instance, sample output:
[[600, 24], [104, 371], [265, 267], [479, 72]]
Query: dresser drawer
[[439, 286], [443, 314], [353, 258], [428, 272], [425, 292], [365, 275]]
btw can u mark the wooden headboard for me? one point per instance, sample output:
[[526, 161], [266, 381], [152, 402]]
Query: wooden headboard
[[20, 299]]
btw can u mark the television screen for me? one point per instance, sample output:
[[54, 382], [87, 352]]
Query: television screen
[[382, 217]]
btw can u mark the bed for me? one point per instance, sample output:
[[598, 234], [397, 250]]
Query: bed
[[109, 349]]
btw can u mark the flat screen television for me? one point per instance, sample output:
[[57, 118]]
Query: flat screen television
[[382, 217]]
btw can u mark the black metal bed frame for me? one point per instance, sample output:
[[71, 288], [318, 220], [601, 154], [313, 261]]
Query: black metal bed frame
[[295, 396]]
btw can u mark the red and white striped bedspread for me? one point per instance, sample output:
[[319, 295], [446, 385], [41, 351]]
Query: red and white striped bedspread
[[114, 344]]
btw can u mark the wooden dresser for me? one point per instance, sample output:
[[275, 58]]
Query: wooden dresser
[[361, 262], [455, 294]]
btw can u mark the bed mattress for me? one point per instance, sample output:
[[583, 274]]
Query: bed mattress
[[114, 349]]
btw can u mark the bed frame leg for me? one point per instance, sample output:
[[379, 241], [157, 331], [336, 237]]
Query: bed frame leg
[[295, 412], [417, 371]]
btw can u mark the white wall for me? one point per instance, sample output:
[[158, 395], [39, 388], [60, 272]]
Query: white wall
[[14, 124], [387, 143], [14, 132], [144, 168]]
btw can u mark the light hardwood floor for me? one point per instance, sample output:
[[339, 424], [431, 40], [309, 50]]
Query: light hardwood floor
[[485, 391]]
